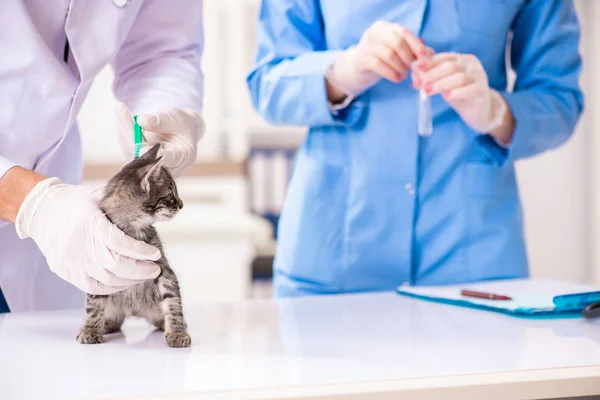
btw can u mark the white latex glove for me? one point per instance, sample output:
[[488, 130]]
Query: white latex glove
[[463, 83], [79, 242], [178, 130], [385, 50]]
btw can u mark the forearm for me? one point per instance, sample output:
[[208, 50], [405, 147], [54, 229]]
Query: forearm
[[505, 132], [334, 94], [543, 119], [15, 185], [174, 82], [546, 100], [294, 92], [158, 65]]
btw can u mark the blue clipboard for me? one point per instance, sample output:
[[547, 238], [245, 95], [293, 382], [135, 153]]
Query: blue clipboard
[[530, 298]]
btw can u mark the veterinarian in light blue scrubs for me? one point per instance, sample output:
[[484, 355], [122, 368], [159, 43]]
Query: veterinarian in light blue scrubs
[[371, 203]]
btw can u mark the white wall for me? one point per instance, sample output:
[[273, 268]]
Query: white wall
[[553, 187], [592, 125]]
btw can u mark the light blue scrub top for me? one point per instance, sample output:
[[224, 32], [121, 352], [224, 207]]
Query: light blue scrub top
[[371, 205]]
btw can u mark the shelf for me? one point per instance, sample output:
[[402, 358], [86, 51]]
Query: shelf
[[221, 168]]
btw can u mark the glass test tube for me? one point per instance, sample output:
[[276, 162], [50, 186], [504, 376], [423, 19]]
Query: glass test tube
[[425, 123]]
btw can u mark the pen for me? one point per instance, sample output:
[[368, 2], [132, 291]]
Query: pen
[[483, 295]]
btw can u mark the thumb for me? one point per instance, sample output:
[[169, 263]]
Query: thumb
[[120, 243]]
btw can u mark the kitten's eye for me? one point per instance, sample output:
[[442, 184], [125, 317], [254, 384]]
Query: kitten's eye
[[162, 201], [172, 197]]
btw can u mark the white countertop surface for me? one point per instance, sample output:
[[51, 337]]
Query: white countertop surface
[[286, 344]]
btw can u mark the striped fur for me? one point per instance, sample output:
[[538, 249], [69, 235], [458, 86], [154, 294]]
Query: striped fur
[[140, 194]]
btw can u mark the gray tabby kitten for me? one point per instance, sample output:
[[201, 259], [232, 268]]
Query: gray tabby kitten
[[142, 193]]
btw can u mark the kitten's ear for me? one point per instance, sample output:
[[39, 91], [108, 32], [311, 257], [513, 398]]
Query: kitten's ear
[[152, 174], [151, 154]]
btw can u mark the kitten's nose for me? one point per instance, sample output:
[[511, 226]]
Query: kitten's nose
[[180, 204]]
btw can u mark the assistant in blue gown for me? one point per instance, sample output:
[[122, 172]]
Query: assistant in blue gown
[[371, 204]]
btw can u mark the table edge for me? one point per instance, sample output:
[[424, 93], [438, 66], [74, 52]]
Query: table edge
[[528, 384]]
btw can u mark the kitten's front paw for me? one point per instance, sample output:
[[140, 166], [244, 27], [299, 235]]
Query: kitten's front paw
[[90, 336], [178, 339]]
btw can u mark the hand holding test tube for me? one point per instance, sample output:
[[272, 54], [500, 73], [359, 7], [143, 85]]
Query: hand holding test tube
[[462, 82]]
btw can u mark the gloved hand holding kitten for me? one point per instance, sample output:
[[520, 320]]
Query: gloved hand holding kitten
[[177, 130], [80, 244]]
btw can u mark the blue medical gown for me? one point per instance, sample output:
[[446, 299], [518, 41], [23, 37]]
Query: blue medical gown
[[371, 204]]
